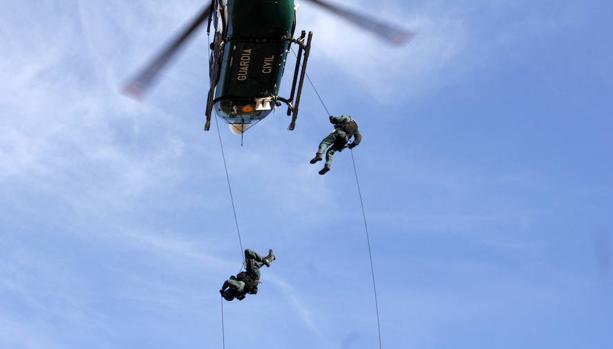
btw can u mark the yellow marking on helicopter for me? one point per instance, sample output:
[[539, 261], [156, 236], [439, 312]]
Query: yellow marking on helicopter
[[267, 69], [245, 61]]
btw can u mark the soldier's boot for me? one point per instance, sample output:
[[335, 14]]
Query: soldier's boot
[[268, 259], [316, 158], [324, 170]]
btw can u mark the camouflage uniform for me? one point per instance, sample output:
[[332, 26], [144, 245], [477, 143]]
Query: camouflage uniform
[[344, 129], [246, 281]]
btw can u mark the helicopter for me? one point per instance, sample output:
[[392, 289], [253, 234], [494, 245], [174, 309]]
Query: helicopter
[[251, 43]]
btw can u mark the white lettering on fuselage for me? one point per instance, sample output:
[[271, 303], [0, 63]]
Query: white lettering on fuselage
[[267, 68], [243, 66]]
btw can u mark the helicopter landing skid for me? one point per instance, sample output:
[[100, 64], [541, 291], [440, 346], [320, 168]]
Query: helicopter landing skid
[[304, 49], [209, 109], [217, 46]]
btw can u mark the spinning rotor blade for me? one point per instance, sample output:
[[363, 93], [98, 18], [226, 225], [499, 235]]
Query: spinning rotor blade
[[139, 85], [391, 33]]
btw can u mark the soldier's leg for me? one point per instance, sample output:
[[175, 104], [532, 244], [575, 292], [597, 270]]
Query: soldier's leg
[[326, 143], [251, 254], [330, 156], [338, 145], [269, 258], [323, 146]]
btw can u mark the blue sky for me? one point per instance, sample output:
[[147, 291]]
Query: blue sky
[[485, 169]]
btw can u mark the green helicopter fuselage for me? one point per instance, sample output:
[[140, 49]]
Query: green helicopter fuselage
[[255, 36]]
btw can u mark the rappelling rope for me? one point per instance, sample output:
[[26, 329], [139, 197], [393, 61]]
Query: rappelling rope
[[357, 181], [372, 269], [318, 95], [238, 231], [223, 330], [225, 166], [321, 100]]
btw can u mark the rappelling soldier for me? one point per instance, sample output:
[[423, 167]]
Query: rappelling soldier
[[246, 282], [344, 129]]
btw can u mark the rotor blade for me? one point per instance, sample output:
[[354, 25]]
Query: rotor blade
[[391, 33], [139, 85]]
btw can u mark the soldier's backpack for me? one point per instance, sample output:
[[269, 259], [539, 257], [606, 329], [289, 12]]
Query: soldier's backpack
[[349, 128]]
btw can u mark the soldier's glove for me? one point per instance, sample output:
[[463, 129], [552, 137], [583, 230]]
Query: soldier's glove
[[351, 145]]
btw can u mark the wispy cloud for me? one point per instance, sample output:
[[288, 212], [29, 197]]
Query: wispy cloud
[[14, 334], [301, 309]]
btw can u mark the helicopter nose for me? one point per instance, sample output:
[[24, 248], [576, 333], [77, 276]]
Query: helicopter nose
[[239, 129]]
